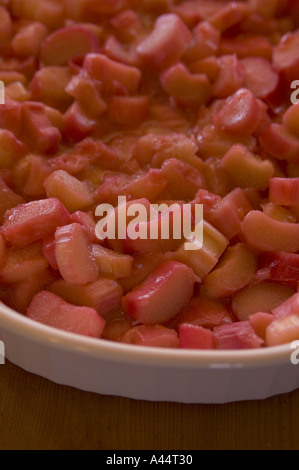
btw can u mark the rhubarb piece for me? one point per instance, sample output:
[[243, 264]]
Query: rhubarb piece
[[166, 44], [38, 130], [291, 120], [261, 78], [24, 291], [161, 233], [113, 263], [204, 312], [74, 194], [27, 223], [87, 222], [78, 125], [29, 175], [205, 42], [260, 322], [143, 265], [231, 76], [23, 264], [247, 170], [236, 336], [11, 117], [150, 303], [28, 40], [262, 297], [74, 256], [195, 337], [151, 336], [88, 94], [266, 234], [104, 294], [229, 15], [51, 310], [11, 149], [227, 214], [280, 143], [109, 71], [128, 110], [285, 57], [282, 214], [5, 26], [184, 180], [283, 267], [284, 191], [247, 46], [117, 325], [8, 199], [49, 246], [283, 330], [287, 308], [49, 86], [45, 11], [184, 87], [205, 255], [64, 44], [233, 273], [238, 115]]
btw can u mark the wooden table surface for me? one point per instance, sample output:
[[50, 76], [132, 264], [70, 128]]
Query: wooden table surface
[[36, 414]]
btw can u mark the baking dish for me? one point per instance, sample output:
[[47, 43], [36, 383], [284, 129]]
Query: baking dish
[[151, 374]]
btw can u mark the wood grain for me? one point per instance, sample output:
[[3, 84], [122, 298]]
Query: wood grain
[[36, 414]]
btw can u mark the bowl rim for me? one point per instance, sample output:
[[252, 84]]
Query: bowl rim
[[47, 336]]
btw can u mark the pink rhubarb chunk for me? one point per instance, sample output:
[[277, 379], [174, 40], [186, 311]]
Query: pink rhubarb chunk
[[66, 43], [33, 221], [237, 336], [151, 302], [267, 234], [51, 310], [74, 255], [167, 43], [152, 335], [196, 337]]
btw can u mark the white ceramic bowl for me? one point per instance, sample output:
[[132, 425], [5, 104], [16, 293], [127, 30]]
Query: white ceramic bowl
[[153, 374]]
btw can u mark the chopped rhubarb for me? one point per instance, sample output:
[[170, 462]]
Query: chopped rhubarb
[[152, 336], [283, 330], [291, 119], [149, 156], [284, 191], [104, 294], [27, 223], [8, 199], [247, 170], [166, 44], [74, 194], [238, 115], [234, 272], [150, 302], [260, 322], [262, 297], [22, 264], [266, 234], [236, 336], [204, 312], [38, 130], [261, 78], [195, 337], [62, 45], [204, 257], [51, 310], [287, 308], [74, 255]]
